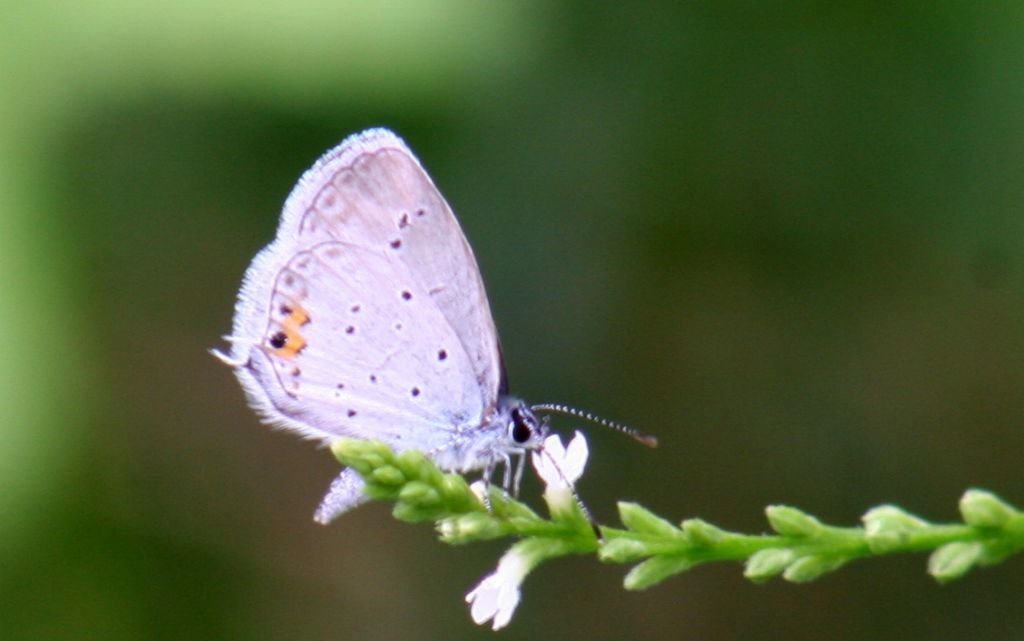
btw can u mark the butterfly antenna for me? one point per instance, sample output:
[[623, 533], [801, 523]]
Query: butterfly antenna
[[647, 439]]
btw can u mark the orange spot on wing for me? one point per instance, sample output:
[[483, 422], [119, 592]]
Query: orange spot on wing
[[295, 342], [299, 316]]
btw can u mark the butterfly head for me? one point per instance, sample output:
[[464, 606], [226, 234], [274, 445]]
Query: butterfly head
[[524, 430]]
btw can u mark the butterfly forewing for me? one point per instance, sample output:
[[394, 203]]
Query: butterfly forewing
[[376, 324], [372, 191]]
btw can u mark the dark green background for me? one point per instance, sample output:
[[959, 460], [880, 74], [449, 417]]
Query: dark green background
[[786, 238]]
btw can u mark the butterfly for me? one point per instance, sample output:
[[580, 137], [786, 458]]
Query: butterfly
[[367, 318]]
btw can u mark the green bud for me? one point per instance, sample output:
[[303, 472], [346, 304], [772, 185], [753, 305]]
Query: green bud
[[985, 510], [995, 552], [703, 533], [789, 521], [500, 500], [416, 513], [654, 571], [362, 456], [475, 526], [387, 475], [340, 447], [640, 519], [623, 550], [419, 494], [768, 563], [350, 446], [381, 492], [887, 527], [455, 489], [411, 458], [373, 460], [513, 509], [953, 560], [808, 568], [416, 465]]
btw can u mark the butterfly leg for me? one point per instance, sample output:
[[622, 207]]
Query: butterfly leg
[[520, 467], [486, 478], [506, 480]]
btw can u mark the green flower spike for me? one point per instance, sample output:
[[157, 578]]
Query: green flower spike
[[801, 549]]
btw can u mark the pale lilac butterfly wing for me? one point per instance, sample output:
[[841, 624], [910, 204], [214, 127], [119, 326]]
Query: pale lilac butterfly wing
[[367, 315]]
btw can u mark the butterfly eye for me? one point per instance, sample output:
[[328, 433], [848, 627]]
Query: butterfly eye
[[521, 428]]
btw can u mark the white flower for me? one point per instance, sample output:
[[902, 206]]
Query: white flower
[[561, 466], [495, 598], [497, 595]]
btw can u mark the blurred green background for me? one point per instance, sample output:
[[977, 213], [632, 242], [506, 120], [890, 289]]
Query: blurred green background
[[787, 238]]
